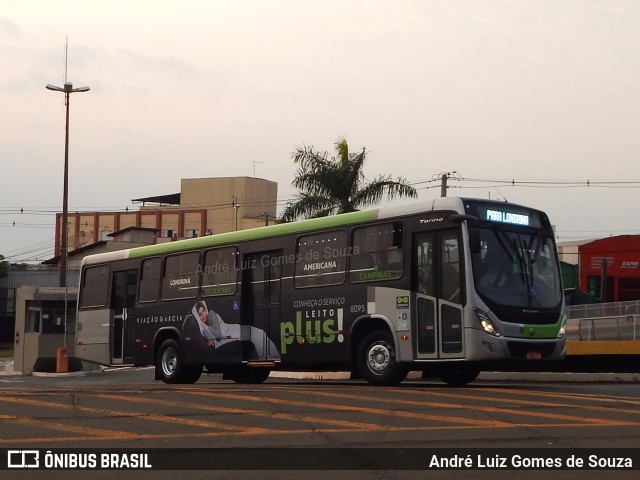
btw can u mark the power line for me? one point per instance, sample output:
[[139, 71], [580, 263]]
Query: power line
[[428, 183], [557, 182], [454, 181], [26, 225]]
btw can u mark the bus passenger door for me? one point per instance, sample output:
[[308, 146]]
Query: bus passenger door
[[262, 273], [437, 282], [123, 298], [450, 293]]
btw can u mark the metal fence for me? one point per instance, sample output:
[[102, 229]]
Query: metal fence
[[604, 321]]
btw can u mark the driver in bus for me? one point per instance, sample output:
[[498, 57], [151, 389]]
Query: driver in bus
[[495, 273]]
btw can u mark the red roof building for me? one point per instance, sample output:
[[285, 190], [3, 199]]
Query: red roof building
[[610, 268]]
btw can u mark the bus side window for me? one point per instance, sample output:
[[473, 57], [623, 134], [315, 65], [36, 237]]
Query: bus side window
[[181, 275], [377, 253], [220, 272], [95, 286], [150, 275], [321, 259]]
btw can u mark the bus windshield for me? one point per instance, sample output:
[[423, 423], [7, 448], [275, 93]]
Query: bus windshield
[[516, 269]]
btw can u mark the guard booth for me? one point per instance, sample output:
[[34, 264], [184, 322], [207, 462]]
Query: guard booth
[[43, 341]]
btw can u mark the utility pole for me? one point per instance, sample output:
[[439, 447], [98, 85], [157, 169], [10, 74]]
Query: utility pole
[[443, 185], [443, 182]]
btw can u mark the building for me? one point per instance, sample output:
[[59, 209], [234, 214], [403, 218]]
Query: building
[[610, 268], [18, 276], [204, 206], [128, 237]]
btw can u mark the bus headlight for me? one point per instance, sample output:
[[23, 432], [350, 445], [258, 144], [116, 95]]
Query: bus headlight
[[487, 325], [563, 327]]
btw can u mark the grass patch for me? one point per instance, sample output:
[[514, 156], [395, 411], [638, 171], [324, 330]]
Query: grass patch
[[6, 353]]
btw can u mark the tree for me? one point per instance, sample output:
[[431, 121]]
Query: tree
[[330, 185]]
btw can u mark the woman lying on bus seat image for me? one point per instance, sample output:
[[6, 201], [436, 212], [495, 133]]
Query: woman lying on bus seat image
[[209, 322], [208, 329], [201, 328]]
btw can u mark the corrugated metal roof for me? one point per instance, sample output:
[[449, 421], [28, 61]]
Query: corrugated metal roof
[[168, 199]]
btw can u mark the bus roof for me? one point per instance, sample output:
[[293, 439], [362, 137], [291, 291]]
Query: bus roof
[[444, 204]]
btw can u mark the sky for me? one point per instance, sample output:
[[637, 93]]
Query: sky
[[541, 91]]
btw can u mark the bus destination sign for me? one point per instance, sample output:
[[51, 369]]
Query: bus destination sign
[[502, 216]]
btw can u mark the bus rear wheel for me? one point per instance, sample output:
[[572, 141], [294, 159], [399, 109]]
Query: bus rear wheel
[[458, 375], [169, 365], [376, 360]]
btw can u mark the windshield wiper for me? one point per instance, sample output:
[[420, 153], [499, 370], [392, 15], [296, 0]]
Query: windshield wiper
[[527, 260], [511, 249]]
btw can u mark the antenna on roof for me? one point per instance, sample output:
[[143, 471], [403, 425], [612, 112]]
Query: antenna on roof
[[66, 53], [254, 167]]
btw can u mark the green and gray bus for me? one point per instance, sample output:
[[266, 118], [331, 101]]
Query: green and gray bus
[[447, 287]]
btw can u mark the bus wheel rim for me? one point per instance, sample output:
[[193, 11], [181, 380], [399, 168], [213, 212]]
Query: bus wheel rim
[[379, 358], [169, 362]]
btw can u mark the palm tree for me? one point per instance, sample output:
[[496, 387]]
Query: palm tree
[[330, 185]]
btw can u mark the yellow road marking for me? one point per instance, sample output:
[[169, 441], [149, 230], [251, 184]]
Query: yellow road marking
[[121, 413], [555, 416], [527, 402], [580, 396], [226, 434], [329, 425], [374, 411], [260, 413]]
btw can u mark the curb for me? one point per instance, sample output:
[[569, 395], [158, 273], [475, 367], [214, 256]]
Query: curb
[[537, 377], [565, 377], [6, 370], [63, 375]]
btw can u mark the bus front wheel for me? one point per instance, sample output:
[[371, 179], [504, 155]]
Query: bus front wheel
[[376, 360], [169, 365]]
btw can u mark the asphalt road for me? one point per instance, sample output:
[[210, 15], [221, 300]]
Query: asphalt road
[[126, 409]]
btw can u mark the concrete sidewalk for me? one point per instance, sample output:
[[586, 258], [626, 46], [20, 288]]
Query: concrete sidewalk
[[6, 366]]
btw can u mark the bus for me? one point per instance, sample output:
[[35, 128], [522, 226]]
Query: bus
[[446, 287]]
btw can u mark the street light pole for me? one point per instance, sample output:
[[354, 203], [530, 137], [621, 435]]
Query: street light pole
[[67, 90]]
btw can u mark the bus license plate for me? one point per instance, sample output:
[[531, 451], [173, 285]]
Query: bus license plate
[[534, 356]]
